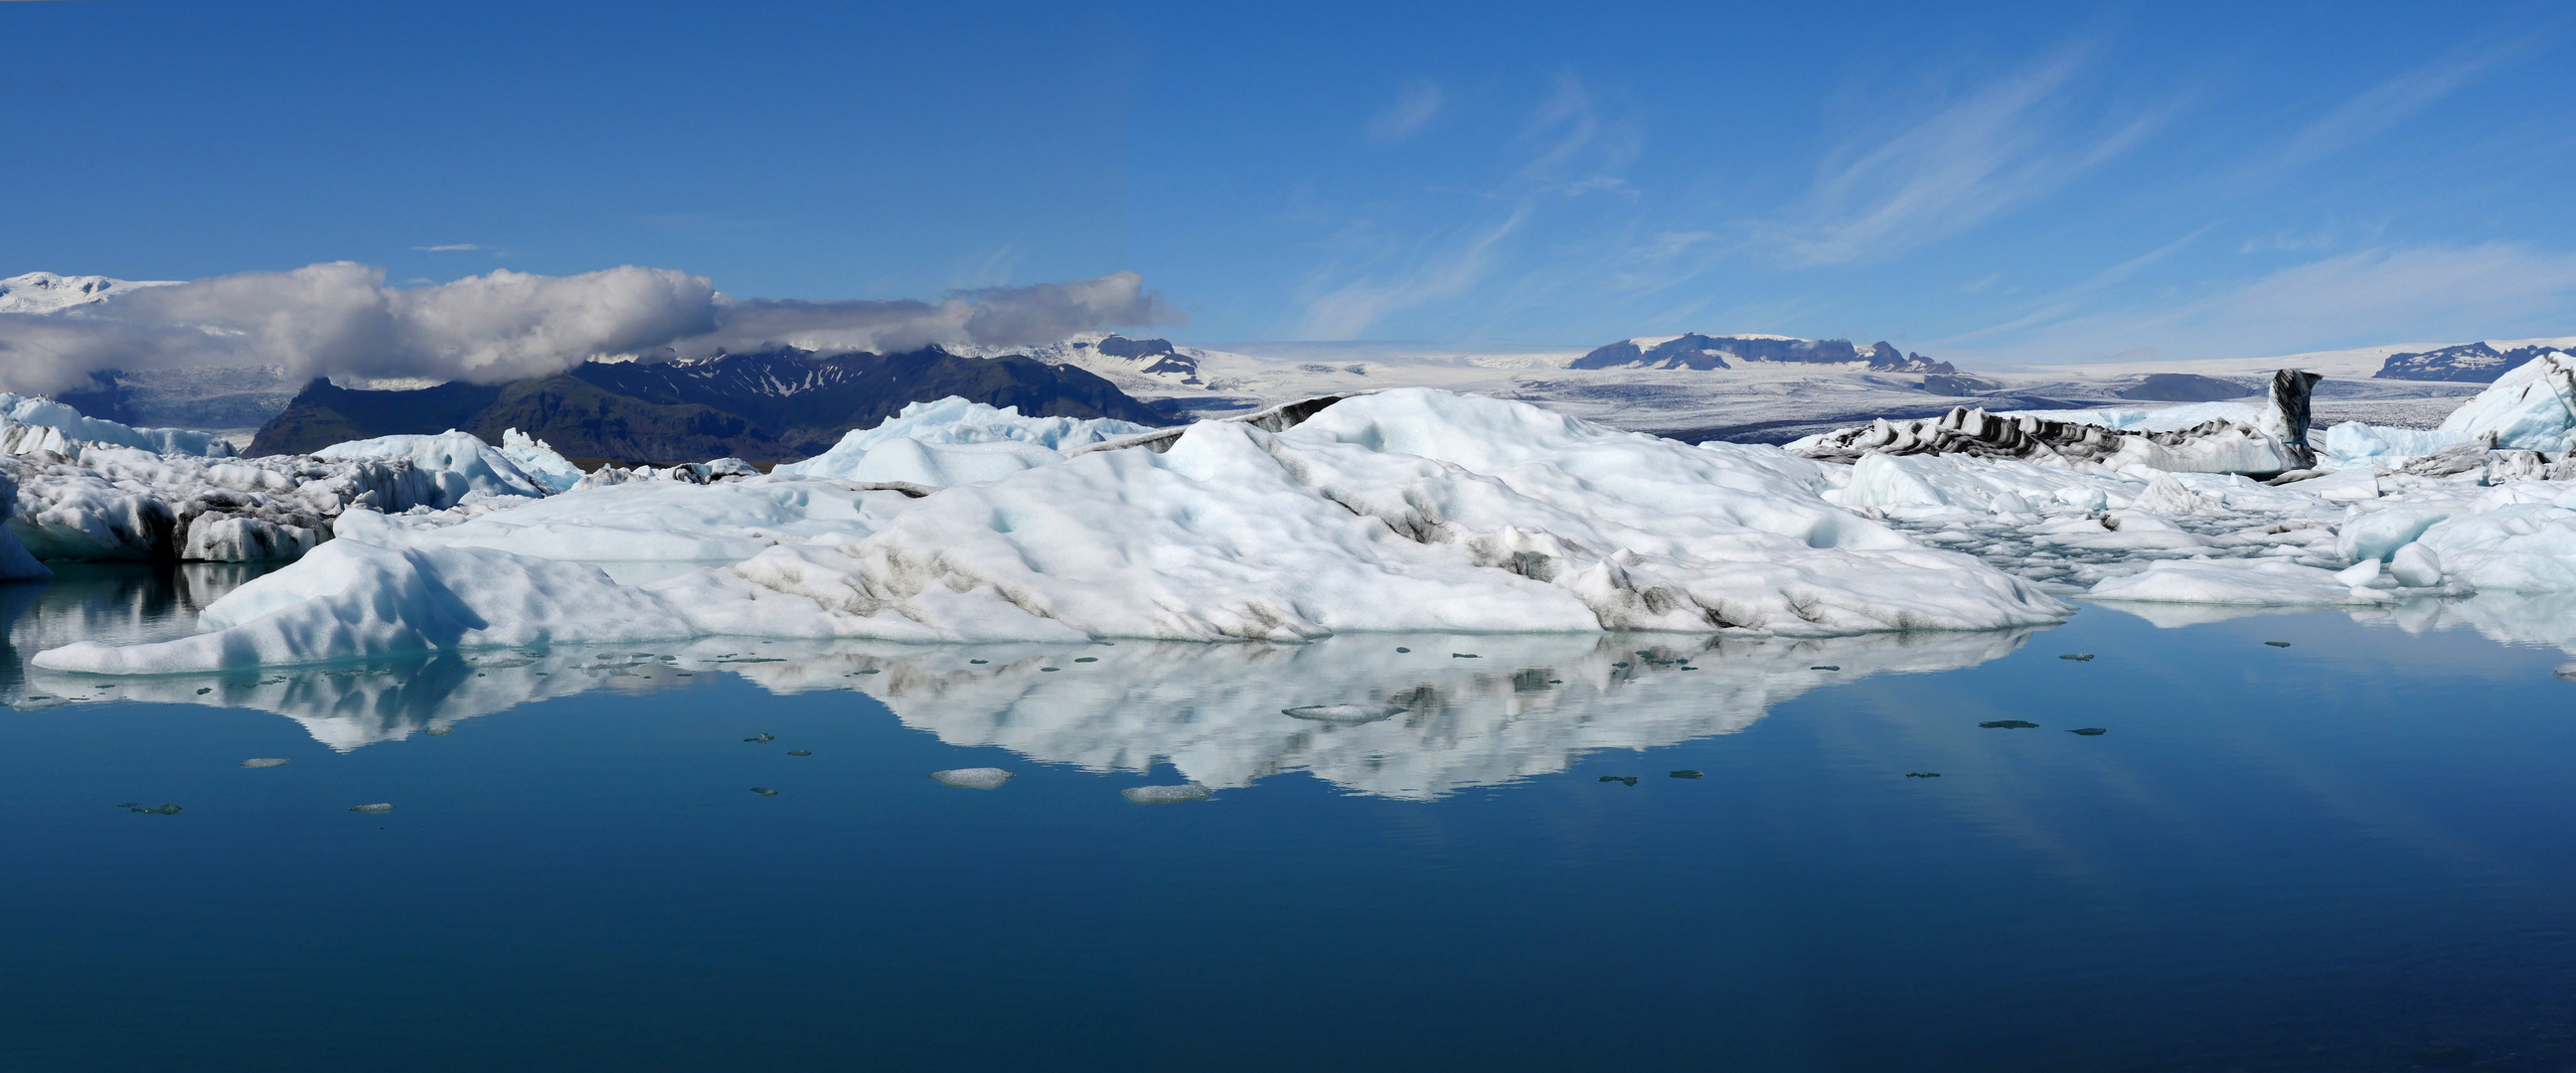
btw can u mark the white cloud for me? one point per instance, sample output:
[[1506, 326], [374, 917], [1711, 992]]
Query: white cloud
[[450, 248], [341, 319], [1412, 110]]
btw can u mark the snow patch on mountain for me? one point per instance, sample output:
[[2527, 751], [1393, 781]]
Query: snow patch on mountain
[[44, 292]]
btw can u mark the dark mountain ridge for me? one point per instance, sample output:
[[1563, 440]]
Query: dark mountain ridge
[[1696, 351], [2475, 363], [771, 406]]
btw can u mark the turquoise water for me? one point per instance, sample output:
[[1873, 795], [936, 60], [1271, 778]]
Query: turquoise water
[[2353, 853]]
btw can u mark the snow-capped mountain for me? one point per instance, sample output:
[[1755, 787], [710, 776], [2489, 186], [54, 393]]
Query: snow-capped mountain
[[1692, 350], [45, 292], [2479, 362]]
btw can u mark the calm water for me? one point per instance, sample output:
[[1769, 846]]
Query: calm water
[[2355, 853]]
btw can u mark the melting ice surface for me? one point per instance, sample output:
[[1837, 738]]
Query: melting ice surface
[[2342, 854]]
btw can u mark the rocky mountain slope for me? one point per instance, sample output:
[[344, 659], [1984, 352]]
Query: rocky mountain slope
[[2476, 363], [776, 405]]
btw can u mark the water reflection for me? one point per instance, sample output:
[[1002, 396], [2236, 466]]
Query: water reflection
[[119, 603], [2545, 619], [1476, 710]]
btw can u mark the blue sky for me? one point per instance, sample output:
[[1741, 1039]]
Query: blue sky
[[2004, 183]]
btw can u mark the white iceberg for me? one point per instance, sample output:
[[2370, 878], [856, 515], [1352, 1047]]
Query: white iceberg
[[1407, 510], [2252, 582], [953, 441], [2528, 408], [457, 463], [550, 471], [651, 521]]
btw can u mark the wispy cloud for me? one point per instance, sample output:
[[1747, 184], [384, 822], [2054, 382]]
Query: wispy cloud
[[2396, 100], [1451, 268], [453, 247], [2411, 293], [1573, 146], [1570, 147], [1413, 109], [1999, 147]]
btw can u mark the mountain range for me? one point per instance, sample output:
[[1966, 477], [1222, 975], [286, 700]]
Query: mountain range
[[1695, 351], [2479, 362], [775, 405]]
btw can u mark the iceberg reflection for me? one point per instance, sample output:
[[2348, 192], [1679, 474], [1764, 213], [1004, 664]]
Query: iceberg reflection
[[1476, 710]]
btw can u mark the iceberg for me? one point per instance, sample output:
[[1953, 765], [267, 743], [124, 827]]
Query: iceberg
[[1405, 510], [651, 521], [111, 503], [459, 464], [534, 457], [348, 600], [2262, 582], [953, 441], [15, 563], [2527, 409]]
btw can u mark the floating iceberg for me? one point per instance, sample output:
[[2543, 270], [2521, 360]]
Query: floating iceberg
[[1406, 510], [551, 471], [458, 463], [2528, 408], [15, 563]]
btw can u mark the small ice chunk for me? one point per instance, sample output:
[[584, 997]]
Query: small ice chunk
[[972, 778], [2361, 573], [2010, 724], [2011, 503], [2415, 566], [377, 808], [1343, 713], [264, 761], [439, 732], [2566, 672], [1163, 795]]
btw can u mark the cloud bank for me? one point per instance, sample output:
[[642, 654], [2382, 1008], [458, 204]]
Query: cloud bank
[[341, 320]]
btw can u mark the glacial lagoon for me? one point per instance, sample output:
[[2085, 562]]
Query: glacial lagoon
[[2348, 849]]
